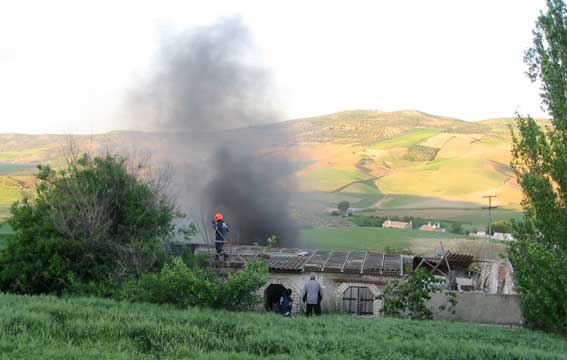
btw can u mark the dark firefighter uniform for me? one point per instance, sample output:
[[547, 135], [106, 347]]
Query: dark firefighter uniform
[[221, 229]]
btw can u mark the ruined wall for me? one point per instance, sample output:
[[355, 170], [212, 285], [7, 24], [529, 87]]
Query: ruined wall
[[480, 307], [474, 307], [333, 284]]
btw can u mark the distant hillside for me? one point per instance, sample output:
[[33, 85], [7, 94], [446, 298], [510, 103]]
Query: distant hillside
[[375, 159], [365, 127]]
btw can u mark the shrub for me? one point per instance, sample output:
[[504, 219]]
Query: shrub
[[180, 285], [407, 299], [91, 224]]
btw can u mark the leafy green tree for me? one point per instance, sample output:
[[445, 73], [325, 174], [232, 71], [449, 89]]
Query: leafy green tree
[[540, 162], [343, 206], [457, 228], [97, 221]]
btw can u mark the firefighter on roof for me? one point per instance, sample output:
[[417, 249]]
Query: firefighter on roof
[[221, 229]]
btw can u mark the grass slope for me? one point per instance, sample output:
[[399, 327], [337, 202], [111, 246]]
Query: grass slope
[[79, 328], [330, 179], [10, 191], [442, 178]]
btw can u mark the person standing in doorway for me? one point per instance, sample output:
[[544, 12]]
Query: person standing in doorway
[[312, 296], [286, 303]]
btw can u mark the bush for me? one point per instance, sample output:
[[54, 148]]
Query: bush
[[502, 226], [343, 207], [90, 225], [457, 228], [180, 285], [407, 299]]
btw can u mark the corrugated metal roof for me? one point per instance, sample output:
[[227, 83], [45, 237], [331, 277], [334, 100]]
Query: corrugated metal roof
[[286, 263], [353, 262]]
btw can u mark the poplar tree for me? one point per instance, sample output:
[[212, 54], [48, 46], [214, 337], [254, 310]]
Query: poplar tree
[[540, 162]]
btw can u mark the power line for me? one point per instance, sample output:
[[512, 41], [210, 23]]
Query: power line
[[490, 207]]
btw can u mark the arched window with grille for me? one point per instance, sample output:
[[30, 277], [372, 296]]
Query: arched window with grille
[[358, 300]]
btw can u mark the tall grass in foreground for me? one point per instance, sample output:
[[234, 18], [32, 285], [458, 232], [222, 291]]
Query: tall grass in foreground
[[88, 328]]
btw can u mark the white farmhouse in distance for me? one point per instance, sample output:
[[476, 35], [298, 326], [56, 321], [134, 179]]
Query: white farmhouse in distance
[[388, 224]]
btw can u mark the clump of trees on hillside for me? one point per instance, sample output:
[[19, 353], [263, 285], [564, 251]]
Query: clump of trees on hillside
[[540, 163]]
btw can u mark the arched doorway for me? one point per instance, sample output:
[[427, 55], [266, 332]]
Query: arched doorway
[[272, 296]]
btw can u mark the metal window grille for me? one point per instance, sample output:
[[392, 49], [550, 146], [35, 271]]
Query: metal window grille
[[358, 300]]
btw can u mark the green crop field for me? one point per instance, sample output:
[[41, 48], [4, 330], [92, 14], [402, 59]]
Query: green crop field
[[10, 191], [367, 238], [407, 139], [361, 188], [330, 179], [421, 153], [81, 328]]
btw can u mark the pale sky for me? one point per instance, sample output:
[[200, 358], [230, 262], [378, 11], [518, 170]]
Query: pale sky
[[67, 66]]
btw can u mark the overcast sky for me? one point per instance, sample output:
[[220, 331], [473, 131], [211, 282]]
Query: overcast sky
[[67, 66]]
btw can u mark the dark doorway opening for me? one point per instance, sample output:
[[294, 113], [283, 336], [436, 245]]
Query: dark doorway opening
[[272, 296]]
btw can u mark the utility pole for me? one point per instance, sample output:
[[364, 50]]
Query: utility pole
[[490, 207]]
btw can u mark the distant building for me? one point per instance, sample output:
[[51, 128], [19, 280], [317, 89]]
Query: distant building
[[430, 227], [503, 236], [388, 224], [479, 234]]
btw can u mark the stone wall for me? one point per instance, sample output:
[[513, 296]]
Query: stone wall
[[333, 285], [471, 307], [480, 307]]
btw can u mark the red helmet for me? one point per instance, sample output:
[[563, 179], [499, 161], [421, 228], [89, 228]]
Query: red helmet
[[218, 216]]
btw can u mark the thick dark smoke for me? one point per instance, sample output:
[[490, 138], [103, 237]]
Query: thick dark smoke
[[212, 94]]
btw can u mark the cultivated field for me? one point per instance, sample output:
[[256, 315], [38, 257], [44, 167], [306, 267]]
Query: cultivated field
[[80, 328], [369, 238]]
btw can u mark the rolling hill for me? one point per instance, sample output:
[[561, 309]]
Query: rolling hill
[[404, 160]]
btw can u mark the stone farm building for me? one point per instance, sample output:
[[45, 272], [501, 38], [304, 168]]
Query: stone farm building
[[352, 281], [388, 224], [431, 227]]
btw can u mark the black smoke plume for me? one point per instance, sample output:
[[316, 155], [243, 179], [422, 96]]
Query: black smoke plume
[[220, 103]]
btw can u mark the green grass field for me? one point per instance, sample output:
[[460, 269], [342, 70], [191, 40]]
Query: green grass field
[[10, 191], [81, 328], [366, 238], [330, 179], [407, 139], [362, 188]]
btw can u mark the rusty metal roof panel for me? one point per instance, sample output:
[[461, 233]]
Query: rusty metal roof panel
[[355, 262], [317, 261], [373, 263], [336, 261], [392, 262], [285, 263]]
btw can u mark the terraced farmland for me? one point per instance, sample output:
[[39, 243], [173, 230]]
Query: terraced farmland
[[421, 153]]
